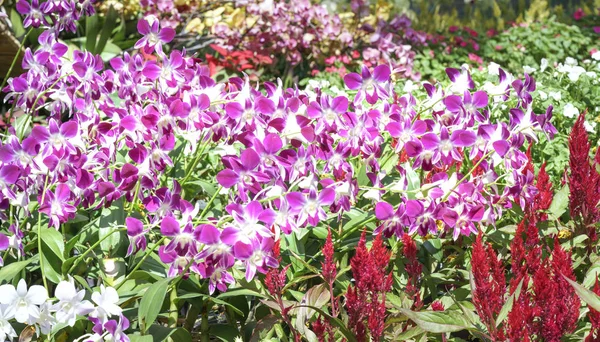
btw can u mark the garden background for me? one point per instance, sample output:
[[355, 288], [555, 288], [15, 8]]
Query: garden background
[[246, 170]]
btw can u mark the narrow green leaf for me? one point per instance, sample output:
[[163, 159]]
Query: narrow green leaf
[[10, 271], [509, 304], [110, 22], [240, 292], [438, 322], [151, 303], [560, 202], [91, 32], [140, 338], [335, 321], [589, 297]]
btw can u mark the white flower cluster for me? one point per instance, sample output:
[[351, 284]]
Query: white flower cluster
[[33, 307]]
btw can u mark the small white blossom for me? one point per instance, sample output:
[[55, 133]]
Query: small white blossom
[[570, 111], [7, 332], [493, 68], [555, 95], [70, 303], [590, 126], [596, 55], [528, 69], [23, 302], [106, 301], [543, 64]]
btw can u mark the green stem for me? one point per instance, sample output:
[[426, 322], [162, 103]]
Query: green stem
[[204, 327], [173, 315], [467, 175], [139, 264], [78, 260], [210, 202], [39, 237], [14, 61], [188, 172]]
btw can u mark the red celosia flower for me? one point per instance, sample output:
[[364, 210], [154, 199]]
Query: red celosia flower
[[583, 180], [365, 300], [328, 266], [594, 316], [437, 306], [413, 269], [557, 305], [490, 286], [543, 199]]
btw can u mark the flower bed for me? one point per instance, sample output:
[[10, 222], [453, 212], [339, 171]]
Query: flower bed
[[141, 198]]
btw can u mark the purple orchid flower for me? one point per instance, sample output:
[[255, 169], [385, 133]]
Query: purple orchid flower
[[183, 240], [57, 205], [257, 256], [328, 110], [373, 87], [391, 220], [4, 244], [405, 130], [310, 208], [421, 218], [153, 36], [461, 217], [461, 80], [137, 235], [177, 262], [217, 275], [246, 226], [242, 172], [215, 250], [32, 12]]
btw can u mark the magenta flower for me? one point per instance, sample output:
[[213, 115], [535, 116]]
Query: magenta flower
[[183, 240], [137, 235], [242, 172], [391, 220], [4, 244], [32, 12], [310, 208], [256, 255], [461, 217], [373, 87], [153, 36], [247, 224], [177, 262], [57, 205], [215, 250]]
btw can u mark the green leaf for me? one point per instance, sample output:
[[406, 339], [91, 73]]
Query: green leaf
[[91, 32], [152, 302], [110, 22], [212, 299], [161, 333], [52, 254], [240, 292], [560, 202], [10, 271], [438, 322], [316, 296], [109, 219], [336, 322], [508, 305], [140, 338], [296, 246], [414, 182], [17, 24], [589, 297]]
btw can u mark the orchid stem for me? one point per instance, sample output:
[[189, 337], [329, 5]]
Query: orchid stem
[[92, 247], [14, 61], [139, 264]]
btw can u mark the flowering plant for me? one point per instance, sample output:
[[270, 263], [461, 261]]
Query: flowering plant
[[151, 193]]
